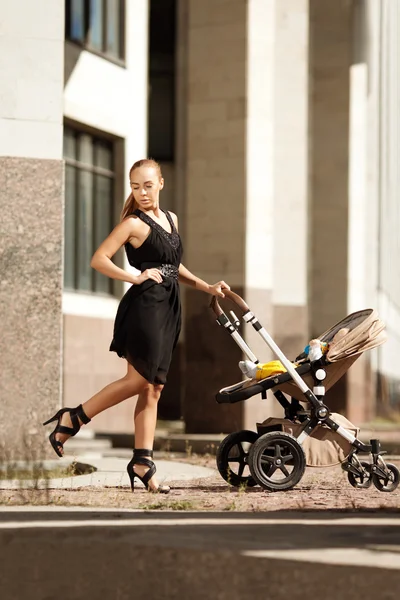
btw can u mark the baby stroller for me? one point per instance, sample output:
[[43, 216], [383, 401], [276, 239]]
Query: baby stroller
[[279, 451]]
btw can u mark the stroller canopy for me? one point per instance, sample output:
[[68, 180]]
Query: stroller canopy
[[360, 331], [348, 339]]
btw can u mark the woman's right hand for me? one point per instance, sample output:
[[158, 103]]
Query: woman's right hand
[[154, 274]]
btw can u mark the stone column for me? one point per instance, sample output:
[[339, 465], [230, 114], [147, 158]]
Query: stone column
[[384, 121], [329, 63], [362, 214], [215, 201], [31, 205], [237, 132]]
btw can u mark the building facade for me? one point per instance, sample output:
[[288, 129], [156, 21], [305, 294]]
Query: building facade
[[276, 125]]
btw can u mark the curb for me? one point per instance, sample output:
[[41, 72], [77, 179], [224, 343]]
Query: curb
[[208, 443]]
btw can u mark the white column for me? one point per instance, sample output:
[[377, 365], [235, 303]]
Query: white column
[[31, 78]]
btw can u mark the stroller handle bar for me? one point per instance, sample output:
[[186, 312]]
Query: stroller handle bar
[[238, 300], [233, 328], [250, 318]]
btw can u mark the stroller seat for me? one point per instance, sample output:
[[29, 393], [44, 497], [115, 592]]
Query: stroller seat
[[250, 387]]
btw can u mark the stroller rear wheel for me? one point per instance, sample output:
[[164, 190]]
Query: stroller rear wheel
[[277, 461], [232, 458]]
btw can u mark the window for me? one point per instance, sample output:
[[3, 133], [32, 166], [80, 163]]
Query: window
[[97, 25], [161, 117], [89, 207]]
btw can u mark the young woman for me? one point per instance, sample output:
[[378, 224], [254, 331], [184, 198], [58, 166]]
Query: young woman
[[148, 320]]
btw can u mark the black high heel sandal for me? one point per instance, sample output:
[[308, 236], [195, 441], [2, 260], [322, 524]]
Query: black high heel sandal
[[75, 414], [142, 457]]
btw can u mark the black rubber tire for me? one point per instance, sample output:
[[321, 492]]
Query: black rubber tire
[[356, 481], [224, 457], [268, 447], [383, 486]]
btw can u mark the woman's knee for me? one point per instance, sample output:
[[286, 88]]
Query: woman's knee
[[152, 392], [134, 384]]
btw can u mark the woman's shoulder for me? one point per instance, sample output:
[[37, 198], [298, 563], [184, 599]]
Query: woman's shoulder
[[131, 220], [173, 216], [130, 224]]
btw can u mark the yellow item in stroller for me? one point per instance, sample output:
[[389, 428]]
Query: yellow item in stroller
[[261, 371]]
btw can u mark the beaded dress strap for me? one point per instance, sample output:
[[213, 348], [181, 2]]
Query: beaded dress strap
[[170, 220], [172, 238]]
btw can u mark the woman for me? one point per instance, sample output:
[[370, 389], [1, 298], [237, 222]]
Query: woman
[[148, 320]]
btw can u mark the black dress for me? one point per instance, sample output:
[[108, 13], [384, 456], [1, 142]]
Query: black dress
[[148, 320]]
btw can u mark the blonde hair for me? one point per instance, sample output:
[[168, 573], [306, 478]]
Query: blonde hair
[[130, 204]]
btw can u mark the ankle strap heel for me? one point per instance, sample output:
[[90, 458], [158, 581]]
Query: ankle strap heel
[[143, 457], [139, 452], [77, 416]]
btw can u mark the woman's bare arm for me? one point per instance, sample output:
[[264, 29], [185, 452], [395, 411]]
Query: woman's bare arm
[[101, 259], [188, 278]]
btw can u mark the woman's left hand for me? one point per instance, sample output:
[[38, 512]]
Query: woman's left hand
[[216, 289]]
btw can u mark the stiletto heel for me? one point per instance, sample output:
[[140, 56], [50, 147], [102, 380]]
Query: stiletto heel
[[142, 457], [57, 416], [76, 414]]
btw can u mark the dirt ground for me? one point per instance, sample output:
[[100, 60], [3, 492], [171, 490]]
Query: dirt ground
[[319, 490]]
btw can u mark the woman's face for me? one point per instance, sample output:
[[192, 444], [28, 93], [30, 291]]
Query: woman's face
[[146, 184]]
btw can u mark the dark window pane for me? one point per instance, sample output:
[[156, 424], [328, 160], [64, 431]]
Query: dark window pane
[[113, 38], [85, 149], [103, 220], [69, 143], [89, 205], [161, 113], [162, 27], [69, 228], [85, 230], [103, 155], [161, 117], [96, 24], [77, 20]]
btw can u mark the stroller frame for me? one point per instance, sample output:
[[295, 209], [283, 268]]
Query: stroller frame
[[359, 473]]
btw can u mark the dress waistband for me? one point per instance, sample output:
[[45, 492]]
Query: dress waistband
[[166, 269]]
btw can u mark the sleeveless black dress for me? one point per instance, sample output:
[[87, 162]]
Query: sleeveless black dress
[[148, 320]]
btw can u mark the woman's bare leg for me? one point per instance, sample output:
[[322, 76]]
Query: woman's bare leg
[[114, 393], [145, 424]]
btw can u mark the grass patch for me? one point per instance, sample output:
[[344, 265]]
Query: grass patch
[[230, 506], [174, 505], [37, 471]]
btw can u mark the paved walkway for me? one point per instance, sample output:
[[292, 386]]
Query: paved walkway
[[110, 472]]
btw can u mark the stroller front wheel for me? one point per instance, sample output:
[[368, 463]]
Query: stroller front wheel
[[363, 478], [232, 458], [277, 461], [388, 483]]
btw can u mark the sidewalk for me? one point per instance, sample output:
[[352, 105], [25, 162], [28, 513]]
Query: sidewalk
[[110, 472]]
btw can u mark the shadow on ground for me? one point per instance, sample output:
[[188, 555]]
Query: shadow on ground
[[125, 554]]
